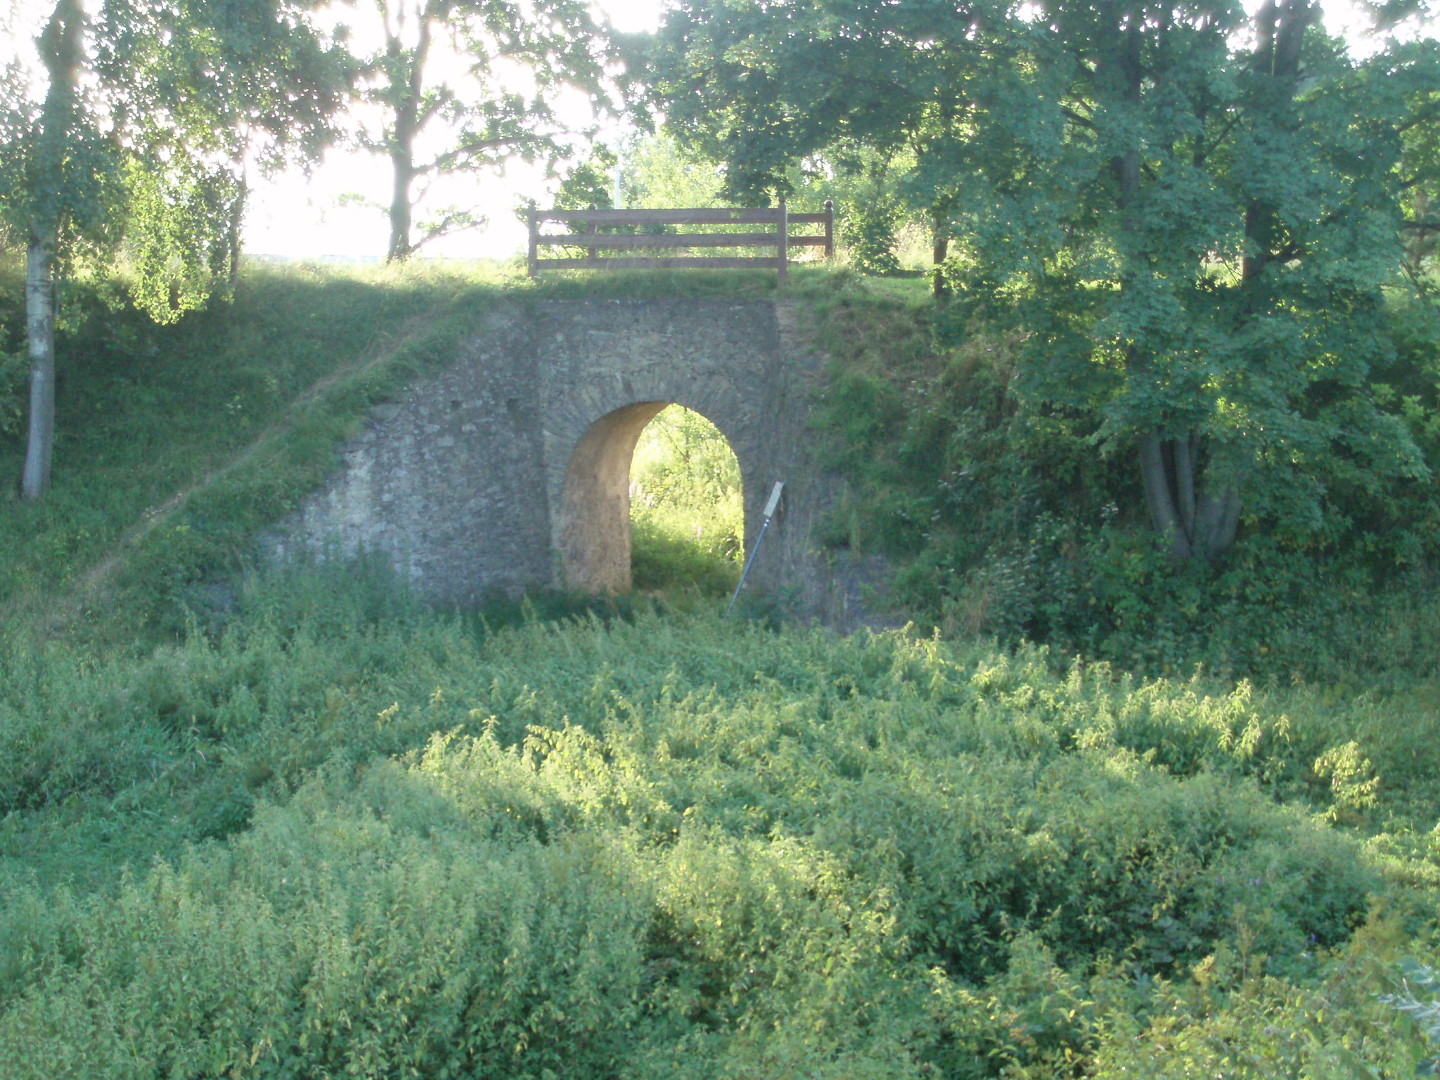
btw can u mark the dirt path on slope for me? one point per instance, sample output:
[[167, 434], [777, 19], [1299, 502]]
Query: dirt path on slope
[[91, 588]]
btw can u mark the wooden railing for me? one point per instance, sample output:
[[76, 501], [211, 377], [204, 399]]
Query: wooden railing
[[585, 225]]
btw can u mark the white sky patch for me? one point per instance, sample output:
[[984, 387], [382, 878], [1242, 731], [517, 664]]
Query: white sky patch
[[20, 24], [295, 216]]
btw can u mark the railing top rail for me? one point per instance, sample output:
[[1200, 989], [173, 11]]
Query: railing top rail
[[682, 216]]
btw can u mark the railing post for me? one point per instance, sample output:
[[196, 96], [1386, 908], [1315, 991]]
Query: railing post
[[829, 229], [784, 227], [533, 251]]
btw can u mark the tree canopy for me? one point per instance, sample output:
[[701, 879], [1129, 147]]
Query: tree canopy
[[1191, 210], [462, 86], [138, 145]]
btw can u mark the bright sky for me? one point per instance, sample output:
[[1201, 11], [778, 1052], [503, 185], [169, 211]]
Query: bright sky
[[293, 216]]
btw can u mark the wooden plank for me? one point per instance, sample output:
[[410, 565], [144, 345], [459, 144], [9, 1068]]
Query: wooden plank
[[632, 241], [701, 216], [713, 262]]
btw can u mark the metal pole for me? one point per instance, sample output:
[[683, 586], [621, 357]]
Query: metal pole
[[767, 513]]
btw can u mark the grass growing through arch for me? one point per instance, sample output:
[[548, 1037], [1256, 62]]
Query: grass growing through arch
[[686, 512]]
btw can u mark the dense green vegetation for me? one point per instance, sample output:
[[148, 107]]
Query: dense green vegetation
[[1011, 518], [688, 846], [693, 836], [294, 824], [1147, 787]]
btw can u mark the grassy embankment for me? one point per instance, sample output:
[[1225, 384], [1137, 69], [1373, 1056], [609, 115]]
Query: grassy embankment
[[324, 831]]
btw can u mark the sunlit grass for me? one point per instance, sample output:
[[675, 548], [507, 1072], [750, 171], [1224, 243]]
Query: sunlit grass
[[686, 509]]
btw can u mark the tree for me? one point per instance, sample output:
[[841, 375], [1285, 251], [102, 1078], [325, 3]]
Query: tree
[[853, 86], [133, 147], [215, 89], [61, 185], [1192, 213], [445, 86], [1217, 227]]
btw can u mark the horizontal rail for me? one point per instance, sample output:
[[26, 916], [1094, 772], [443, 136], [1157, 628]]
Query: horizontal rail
[[630, 241], [692, 216], [663, 262], [592, 240]]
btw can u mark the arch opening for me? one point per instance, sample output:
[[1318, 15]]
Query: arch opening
[[687, 512], [685, 466]]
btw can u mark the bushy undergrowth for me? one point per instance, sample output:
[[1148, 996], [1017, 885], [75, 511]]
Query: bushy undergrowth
[[318, 830], [1015, 521], [682, 847]]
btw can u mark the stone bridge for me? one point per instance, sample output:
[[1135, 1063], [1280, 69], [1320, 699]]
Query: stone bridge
[[508, 467]]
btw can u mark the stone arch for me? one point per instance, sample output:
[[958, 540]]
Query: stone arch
[[594, 517], [482, 475]]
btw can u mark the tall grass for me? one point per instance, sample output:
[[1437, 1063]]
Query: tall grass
[[175, 444], [678, 846]]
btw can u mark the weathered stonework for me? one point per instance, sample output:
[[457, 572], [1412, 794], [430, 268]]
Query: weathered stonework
[[509, 468]]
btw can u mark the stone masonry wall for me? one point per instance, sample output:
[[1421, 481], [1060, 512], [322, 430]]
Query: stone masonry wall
[[469, 482]]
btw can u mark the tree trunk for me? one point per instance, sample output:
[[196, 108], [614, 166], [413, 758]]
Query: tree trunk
[[401, 160], [1160, 496], [1216, 523], [234, 231], [1280, 27], [40, 329], [939, 251], [406, 71], [62, 50], [1196, 521]]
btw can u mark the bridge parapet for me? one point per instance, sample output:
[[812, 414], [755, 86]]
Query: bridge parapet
[[640, 230]]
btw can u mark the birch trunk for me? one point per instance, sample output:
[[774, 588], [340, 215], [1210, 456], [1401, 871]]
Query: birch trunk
[[62, 52], [40, 330], [407, 85]]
